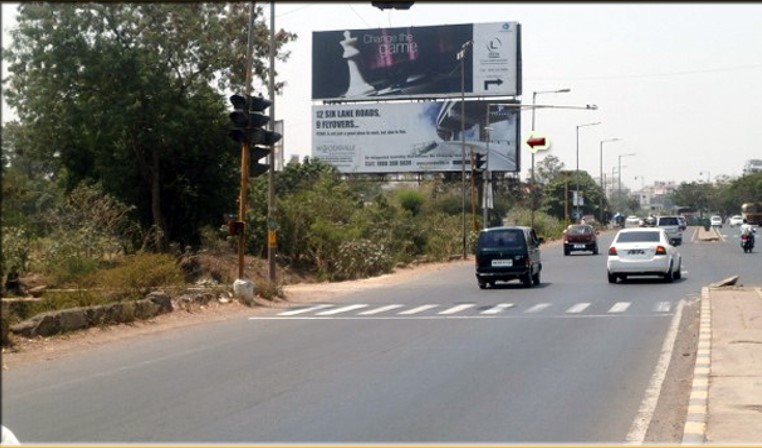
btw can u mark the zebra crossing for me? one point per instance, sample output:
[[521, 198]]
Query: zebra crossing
[[467, 310]]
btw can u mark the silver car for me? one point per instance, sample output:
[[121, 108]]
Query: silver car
[[671, 225], [643, 251]]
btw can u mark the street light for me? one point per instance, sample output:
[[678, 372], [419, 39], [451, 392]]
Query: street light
[[576, 173], [620, 172], [462, 58], [531, 183], [603, 187]]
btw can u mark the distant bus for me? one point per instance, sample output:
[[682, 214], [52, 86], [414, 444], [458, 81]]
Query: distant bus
[[752, 213]]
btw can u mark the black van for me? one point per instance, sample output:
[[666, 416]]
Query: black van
[[508, 253]]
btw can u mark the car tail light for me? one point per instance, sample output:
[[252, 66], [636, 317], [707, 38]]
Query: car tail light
[[661, 250], [612, 250]]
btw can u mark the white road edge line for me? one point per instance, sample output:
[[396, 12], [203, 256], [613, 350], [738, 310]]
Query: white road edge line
[[642, 421]]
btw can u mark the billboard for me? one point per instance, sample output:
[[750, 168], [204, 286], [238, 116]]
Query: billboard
[[417, 62], [415, 137]]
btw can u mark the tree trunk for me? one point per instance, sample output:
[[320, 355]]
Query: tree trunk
[[158, 218]]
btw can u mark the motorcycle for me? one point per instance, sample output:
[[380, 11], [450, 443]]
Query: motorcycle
[[747, 242]]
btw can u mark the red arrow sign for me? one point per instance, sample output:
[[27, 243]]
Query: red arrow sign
[[536, 141]]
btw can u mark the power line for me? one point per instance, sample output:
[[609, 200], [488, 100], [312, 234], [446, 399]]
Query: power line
[[358, 15]]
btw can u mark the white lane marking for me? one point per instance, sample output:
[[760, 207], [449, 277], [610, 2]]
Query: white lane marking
[[341, 310], [578, 308], [420, 309], [380, 310], [457, 308], [537, 308], [662, 307], [499, 308], [304, 310], [619, 307], [642, 421]]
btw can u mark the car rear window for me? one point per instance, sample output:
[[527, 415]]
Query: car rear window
[[669, 221], [638, 237], [496, 239], [580, 230]]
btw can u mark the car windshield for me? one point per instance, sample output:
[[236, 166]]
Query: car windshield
[[579, 230], [670, 221], [638, 237], [499, 239]]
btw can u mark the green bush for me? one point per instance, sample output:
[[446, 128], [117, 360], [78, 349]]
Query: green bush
[[361, 258], [16, 250], [545, 225], [142, 271]]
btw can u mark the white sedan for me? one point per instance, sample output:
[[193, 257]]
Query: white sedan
[[643, 251], [735, 220]]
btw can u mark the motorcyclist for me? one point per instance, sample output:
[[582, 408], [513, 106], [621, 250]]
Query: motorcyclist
[[748, 231]]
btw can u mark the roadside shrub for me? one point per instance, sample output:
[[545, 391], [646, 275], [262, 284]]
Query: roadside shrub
[[16, 250], [361, 258], [445, 236], [268, 290], [545, 225], [137, 273], [411, 200]]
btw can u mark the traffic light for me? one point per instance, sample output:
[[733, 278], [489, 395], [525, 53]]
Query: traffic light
[[480, 163], [392, 5], [255, 166], [249, 123]]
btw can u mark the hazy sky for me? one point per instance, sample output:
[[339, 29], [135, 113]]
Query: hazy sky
[[679, 84]]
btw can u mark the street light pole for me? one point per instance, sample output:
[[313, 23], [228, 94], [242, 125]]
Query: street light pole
[[603, 187], [576, 173], [620, 172], [531, 184], [462, 58]]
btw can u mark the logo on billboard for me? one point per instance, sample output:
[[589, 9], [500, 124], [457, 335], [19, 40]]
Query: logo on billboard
[[493, 48]]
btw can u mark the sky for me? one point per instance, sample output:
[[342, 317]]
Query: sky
[[679, 84]]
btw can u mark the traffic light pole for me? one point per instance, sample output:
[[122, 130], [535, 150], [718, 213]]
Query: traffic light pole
[[272, 240], [245, 150]]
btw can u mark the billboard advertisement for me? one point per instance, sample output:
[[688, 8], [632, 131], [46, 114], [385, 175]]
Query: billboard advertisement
[[415, 137], [417, 62]]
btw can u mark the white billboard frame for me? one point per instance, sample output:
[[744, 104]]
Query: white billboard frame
[[415, 137]]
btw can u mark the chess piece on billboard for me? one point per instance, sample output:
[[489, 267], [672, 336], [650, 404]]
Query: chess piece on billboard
[[357, 85]]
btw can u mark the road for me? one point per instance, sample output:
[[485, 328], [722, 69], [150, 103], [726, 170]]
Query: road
[[431, 360]]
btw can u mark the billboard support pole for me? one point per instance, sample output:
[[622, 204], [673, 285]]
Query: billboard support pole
[[462, 59]]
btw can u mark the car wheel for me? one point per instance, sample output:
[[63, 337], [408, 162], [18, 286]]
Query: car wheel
[[536, 278], [566, 252], [669, 276], [612, 278], [678, 272], [526, 280], [482, 285], [595, 250]]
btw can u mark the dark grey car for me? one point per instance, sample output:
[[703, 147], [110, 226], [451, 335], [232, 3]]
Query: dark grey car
[[508, 253]]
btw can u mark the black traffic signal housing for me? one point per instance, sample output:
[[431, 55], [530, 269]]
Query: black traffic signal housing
[[392, 5], [479, 163], [249, 123]]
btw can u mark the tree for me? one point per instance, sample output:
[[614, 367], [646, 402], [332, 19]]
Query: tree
[[122, 94], [558, 194], [548, 169]]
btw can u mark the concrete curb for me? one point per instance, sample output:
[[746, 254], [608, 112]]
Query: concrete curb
[[694, 431]]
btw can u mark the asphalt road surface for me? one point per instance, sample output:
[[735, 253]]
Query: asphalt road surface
[[431, 360]]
